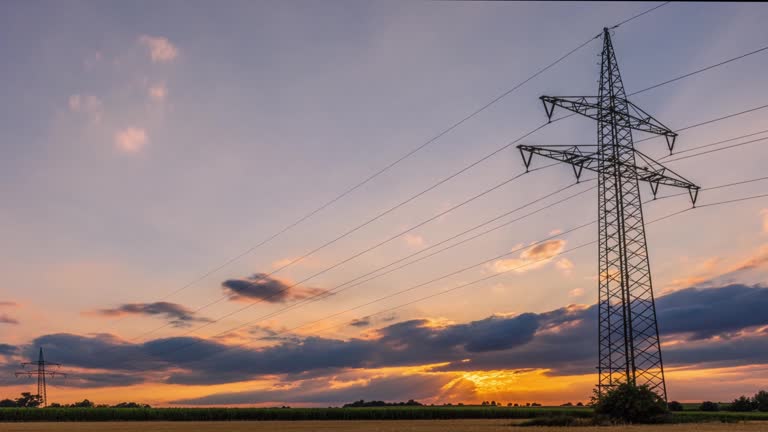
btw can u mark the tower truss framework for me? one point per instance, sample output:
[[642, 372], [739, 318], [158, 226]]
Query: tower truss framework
[[629, 349]]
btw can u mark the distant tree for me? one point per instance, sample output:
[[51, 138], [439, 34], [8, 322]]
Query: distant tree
[[534, 404], [709, 406], [579, 404], [517, 405], [84, 404], [675, 406], [484, 403], [761, 400], [361, 403], [130, 405], [567, 404], [8, 403], [627, 403], [28, 400], [743, 404], [55, 405], [493, 403]]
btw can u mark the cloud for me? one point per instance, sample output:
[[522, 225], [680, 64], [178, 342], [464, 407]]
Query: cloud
[[361, 322], [161, 50], [176, 314], [712, 323], [414, 240], [8, 304], [531, 258], [131, 139], [261, 286], [7, 350], [5, 319], [89, 105], [390, 388], [710, 312], [576, 292], [565, 265], [158, 92]]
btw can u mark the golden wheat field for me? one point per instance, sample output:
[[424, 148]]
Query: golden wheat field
[[359, 426]]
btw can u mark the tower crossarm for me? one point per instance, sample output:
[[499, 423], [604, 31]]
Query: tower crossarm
[[583, 157], [632, 117]]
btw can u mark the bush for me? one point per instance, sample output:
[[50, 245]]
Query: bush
[[743, 404], [675, 406], [709, 406], [627, 403], [761, 400]]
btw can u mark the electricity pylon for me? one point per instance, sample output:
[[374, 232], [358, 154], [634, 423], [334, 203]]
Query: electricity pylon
[[41, 374], [629, 350]]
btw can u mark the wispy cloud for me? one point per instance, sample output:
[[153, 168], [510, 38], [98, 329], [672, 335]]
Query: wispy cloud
[[531, 258], [764, 214], [261, 286], [161, 50], [158, 92], [89, 105], [131, 139], [414, 240], [176, 314], [5, 319], [576, 292]]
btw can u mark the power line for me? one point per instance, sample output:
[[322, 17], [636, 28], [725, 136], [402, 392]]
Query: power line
[[718, 149], [738, 183], [430, 296], [339, 263], [690, 149], [467, 268], [533, 262], [354, 282], [396, 161], [507, 145], [220, 299], [640, 14], [382, 170], [698, 71]]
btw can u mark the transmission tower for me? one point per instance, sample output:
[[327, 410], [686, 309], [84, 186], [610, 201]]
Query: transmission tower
[[629, 350], [41, 374]]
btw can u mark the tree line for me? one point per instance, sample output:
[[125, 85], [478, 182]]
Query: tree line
[[29, 400]]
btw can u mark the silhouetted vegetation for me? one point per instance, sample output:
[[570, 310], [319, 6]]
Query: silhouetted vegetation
[[365, 404], [709, 406], [627, 403], [675, 406], [742, 404], [27, 400]]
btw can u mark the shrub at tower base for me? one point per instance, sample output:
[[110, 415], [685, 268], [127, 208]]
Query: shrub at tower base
[[628, 403]]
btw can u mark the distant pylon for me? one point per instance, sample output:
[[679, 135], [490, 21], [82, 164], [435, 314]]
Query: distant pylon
[[629, 349], [41, 374]]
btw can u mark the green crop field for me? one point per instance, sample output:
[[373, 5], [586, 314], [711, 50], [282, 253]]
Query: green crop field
[[372, 413], [229, 414]]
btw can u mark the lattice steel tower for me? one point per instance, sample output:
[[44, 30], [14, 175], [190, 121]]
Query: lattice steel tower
[[628, 349], [41, 374]]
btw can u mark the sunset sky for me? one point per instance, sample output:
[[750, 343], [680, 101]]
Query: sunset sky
[[148, 148]]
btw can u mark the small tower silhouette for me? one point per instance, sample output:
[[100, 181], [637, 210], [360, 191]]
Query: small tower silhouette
[[41, 374]]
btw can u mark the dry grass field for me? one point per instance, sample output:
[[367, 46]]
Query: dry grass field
[[360, 426]]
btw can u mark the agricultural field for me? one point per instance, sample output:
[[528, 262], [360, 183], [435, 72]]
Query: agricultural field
[[266, 414], [472, 425]]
